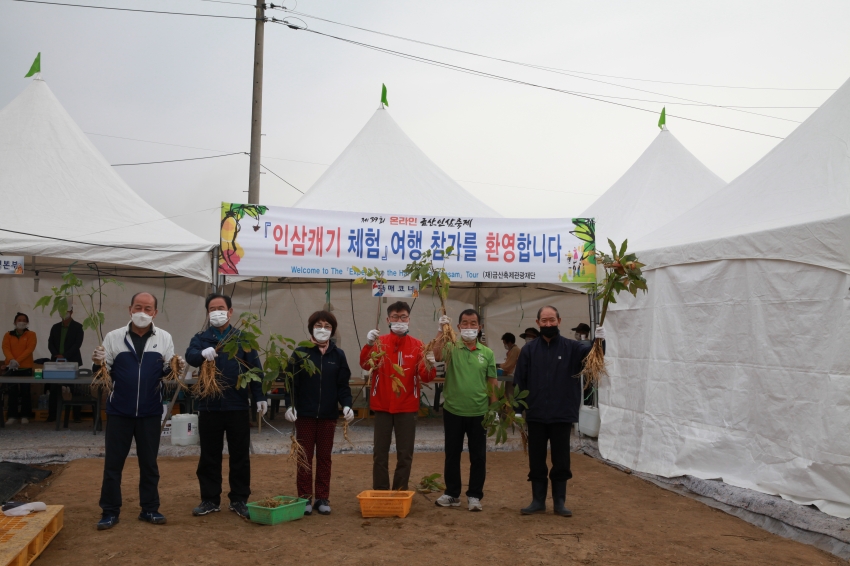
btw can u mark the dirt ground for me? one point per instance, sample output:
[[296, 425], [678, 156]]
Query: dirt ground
[[618, 519]]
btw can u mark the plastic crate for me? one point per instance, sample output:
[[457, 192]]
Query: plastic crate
[[272, 516], [380, 503]]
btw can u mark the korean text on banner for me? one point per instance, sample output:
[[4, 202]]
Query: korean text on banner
[[287, 242], [11, 265], [400, 289]]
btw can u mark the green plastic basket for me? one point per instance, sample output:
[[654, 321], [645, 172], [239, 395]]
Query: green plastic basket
[[273, 516]]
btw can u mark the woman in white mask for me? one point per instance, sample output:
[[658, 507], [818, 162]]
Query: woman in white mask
[[18, 346], [314, 406]]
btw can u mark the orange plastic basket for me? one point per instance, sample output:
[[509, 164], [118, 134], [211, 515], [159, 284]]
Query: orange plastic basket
[[379, 503]]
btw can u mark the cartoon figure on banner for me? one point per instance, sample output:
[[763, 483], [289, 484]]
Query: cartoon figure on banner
[[581, 261], [231, 252]]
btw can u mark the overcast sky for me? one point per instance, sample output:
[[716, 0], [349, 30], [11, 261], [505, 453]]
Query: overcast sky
[[186, 81]]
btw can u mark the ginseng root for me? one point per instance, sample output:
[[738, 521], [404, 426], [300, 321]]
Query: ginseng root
[[102, 379], [594, 366], [174, 376], [209, 384], [297, 454]]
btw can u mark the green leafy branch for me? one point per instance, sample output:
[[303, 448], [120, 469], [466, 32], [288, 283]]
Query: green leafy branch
[[622, 273], [506, 407], [63, 297]]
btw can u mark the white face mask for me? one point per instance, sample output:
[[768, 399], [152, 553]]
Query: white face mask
[[141, 320], [21, 325], [469, 334], [219, 318], [321, 335], [399, 328]]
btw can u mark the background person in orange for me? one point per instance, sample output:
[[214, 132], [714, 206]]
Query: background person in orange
[[18, 346], [395, 411]]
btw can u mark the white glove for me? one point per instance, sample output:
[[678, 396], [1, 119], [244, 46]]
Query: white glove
[[99, 355], [13, 365], [443, 320], [600, 333], [209, 354], [291, 414], [431, 359], [497, 419], [348, 414], [262, 407], [372, 336], [181, 365]]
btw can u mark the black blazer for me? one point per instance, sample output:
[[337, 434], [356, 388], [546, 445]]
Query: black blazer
[[73, 342]]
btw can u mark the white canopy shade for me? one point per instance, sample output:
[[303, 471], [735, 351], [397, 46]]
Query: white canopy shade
[[664, 182], [62, 199], [383, 171]]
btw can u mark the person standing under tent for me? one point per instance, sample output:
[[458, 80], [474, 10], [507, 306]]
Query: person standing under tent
[[469, 390], [395, 411], [582, 332], [314, 402], [509, 342], [138, 357], [18, 346], [529, 334], [548, 368], [226, 414], [64, 343]]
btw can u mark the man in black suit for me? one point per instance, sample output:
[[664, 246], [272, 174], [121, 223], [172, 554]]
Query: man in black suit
[[64, 343]]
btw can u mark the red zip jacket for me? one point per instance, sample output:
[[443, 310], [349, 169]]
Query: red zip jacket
[[405, 351]]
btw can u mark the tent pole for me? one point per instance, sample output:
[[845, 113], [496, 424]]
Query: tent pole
[[214, 265]]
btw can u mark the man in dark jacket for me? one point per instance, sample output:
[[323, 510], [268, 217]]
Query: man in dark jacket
[[227, 414], [64, 343], [138, 356], [548, 367]]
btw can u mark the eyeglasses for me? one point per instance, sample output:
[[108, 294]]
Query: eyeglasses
[[399, 318], [323, 326]]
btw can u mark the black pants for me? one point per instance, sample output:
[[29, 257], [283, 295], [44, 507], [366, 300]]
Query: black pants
[[404, 425], [455, 427], [20, 393], [540, 435], [213, 425], [120, 432]]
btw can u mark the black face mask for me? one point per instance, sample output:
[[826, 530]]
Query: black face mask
[[549, 331]]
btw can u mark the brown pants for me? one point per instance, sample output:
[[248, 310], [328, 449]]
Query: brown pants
[[404, 425]]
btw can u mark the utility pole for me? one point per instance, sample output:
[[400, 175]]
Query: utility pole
[[257, 107]]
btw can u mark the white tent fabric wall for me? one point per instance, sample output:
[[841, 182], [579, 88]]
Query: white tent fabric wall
[[383, 171], [665, 181], [736, 365], [70, 203]]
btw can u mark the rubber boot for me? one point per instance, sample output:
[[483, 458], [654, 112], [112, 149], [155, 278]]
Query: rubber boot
[[559, 496], [538, 501]]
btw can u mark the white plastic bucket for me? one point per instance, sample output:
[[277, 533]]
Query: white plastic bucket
[[588, 421], [184, 430]]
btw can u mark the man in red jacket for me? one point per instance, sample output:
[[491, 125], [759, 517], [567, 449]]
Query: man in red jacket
[[395, 411]]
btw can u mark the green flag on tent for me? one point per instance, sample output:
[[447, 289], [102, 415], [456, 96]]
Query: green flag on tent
[[36, 66], [384, 95], [663, 119]]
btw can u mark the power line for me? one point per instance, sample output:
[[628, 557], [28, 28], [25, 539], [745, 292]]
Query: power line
[[114, 246], [134, 10], [541, 67], [176, 160], [514, 81], [281, 178]]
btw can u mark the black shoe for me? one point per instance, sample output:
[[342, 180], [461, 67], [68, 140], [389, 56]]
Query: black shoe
[[240, 509], [205, 508], [538, 501], [107, 522], [559, 496], [152, 517]]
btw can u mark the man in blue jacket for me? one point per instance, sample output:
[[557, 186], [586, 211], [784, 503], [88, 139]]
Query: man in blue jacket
[[138, 356], [548, 367], [227, 414]]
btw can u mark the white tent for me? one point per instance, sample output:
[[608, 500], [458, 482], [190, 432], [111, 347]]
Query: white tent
[[382, 170], [664, 182], [736, 364], [62, 199]]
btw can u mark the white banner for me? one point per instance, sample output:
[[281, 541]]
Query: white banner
[[400, 289], [11, 265], [290, 242]]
